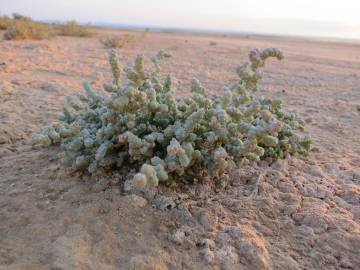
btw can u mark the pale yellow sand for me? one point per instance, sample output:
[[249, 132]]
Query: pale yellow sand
[[296, 214]]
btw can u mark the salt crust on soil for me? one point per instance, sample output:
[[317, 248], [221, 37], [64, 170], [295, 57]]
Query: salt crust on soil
[[293, 214]]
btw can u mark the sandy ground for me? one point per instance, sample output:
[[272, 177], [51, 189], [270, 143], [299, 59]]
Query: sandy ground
[[294, 214]]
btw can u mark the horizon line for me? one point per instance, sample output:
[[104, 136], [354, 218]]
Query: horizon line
[[159, 28]]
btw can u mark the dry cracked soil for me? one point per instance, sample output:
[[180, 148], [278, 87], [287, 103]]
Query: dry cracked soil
[[292, 214]]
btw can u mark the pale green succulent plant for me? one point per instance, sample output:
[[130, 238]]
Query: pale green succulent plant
[[142, 125]]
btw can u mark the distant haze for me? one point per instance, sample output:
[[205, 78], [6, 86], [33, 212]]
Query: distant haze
[[322, 18]]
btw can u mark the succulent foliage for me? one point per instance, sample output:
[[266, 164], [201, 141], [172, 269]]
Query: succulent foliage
[[142, 125]]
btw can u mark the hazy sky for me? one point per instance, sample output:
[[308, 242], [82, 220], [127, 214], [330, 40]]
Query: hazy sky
[[332, 18]]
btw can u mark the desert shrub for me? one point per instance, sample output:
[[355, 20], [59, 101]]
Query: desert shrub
[[144, 33], [4, 22], [17, 16], [124, 40], [27, 29], [212, 43], [142, 126], [117, 41], [74, 29]]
